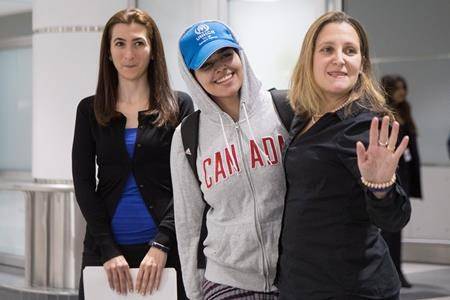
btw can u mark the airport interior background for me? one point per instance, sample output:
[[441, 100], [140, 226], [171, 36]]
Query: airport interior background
[[49, 61]]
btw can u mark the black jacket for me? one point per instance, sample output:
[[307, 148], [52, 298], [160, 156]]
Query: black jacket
[[104, 145], [330, 246]]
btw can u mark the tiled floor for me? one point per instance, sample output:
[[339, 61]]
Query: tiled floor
[[430, 282]]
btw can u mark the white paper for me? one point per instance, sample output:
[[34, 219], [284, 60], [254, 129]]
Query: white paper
[[96, 286]]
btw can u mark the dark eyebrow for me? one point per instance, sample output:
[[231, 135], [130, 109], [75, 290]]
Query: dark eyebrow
[[223, 50], [123, 40], [217, 54]]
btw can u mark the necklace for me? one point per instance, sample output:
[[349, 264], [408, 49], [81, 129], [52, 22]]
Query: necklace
[[316, 117]]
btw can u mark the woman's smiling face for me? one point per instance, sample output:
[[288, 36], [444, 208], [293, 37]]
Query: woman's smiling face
[[222, 74], [337, 60]]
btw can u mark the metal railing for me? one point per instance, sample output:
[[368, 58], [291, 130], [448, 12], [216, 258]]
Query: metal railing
[[54, 230]]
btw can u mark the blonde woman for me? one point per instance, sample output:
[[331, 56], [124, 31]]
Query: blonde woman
[[339, 195]]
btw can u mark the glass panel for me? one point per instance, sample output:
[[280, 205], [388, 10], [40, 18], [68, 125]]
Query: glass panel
[[408, 42], [428, 93], [271, 32], [15, 109]]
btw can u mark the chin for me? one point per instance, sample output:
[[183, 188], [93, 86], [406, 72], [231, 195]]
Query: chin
[[340, 89], [131, 77]]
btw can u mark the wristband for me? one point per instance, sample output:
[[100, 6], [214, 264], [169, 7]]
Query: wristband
[[160, 246]]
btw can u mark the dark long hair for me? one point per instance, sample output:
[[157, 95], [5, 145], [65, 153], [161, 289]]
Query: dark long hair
[[402, 109], [162, 99]]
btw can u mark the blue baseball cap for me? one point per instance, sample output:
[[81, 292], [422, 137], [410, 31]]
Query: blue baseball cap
[[202, 39]]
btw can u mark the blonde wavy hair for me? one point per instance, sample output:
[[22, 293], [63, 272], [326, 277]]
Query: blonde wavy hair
[[305, 96]]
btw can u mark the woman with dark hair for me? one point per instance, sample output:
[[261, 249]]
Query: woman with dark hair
[[339, 195], [409, 165], [126, 130], [239, 186]]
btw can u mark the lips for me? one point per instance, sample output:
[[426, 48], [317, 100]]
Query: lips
[[224, 78], [337, 74]]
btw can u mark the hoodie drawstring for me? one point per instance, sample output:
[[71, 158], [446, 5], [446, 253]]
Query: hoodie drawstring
[[226, 141], [253, 135]]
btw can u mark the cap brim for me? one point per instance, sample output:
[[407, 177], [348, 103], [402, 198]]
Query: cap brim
[[208, 50]]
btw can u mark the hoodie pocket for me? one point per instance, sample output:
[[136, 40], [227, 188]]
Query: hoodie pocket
[[234, 246]]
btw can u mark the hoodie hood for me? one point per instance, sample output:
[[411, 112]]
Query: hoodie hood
[[250, 91], [241, 176]]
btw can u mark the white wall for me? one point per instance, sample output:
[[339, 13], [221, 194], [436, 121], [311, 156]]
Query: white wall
[[65, 68], [430, 219], [271, 34]]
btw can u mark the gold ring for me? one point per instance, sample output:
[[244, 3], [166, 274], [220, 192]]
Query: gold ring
[[383, 144], [392, 149]]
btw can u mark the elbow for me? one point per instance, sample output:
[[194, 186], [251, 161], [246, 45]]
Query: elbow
[[397, 222]]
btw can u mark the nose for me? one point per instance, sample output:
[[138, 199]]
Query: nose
[[219, 66], [129, 53], [339, 58]]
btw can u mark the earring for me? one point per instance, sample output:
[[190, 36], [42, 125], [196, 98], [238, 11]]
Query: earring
[[110, 58]]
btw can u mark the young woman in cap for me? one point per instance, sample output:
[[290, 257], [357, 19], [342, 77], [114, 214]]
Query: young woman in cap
[[126, 130], [239, 171], [338, 196]]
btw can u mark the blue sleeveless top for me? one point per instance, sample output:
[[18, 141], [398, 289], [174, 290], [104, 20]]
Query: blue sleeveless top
[[132, 222]]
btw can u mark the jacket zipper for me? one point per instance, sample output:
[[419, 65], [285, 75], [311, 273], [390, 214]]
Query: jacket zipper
[[257, 223]]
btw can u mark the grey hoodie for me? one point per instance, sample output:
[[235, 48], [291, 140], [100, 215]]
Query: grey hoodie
[[242, 179]]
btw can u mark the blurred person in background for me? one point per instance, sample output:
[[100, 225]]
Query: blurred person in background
[[396, 91], [448, 145]]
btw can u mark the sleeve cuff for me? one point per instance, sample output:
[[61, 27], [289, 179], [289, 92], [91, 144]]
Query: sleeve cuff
[[388, 200], [108, 251], [165, 238]]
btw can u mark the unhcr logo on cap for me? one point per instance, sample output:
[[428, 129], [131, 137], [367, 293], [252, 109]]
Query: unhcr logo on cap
[[215, 35], [201, 28], [204, 33]]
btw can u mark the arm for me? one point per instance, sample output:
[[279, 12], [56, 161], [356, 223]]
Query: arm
[[151, 267], [166, 230], [189, 206], [83, 171], [391, 213], [388, 210]]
